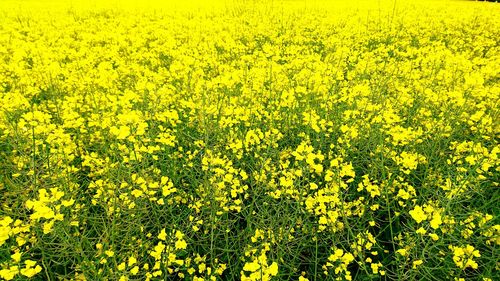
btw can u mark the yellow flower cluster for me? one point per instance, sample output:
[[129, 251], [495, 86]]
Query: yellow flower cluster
[[258, 268], [339, 261], [464, 256], [252, 140]]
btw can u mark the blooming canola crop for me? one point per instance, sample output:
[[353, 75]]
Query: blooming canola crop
[[249, 140]]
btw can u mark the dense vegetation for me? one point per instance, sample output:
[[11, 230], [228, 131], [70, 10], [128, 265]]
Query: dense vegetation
[[249, 140]]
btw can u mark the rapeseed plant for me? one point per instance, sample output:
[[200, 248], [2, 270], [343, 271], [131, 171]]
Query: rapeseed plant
[[237, 140]]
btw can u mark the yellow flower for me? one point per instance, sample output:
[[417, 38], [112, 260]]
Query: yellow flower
[[4, 234], [434, 236], [464, 256], [436, 220], [273, 269], [6, 221], [131, 261], [158, 250], [251, 267], [375, 267], [180, 244], [402, 252], [421, 230], [67, 203], [121, 133], [418, 214], [417, 263], [10, 273], [134, 270], [30, 270], [16, 257], [163, 235]]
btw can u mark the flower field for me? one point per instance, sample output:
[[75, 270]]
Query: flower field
[[249, 140]]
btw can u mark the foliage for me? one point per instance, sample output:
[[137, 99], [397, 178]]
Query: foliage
[[249, 140]]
